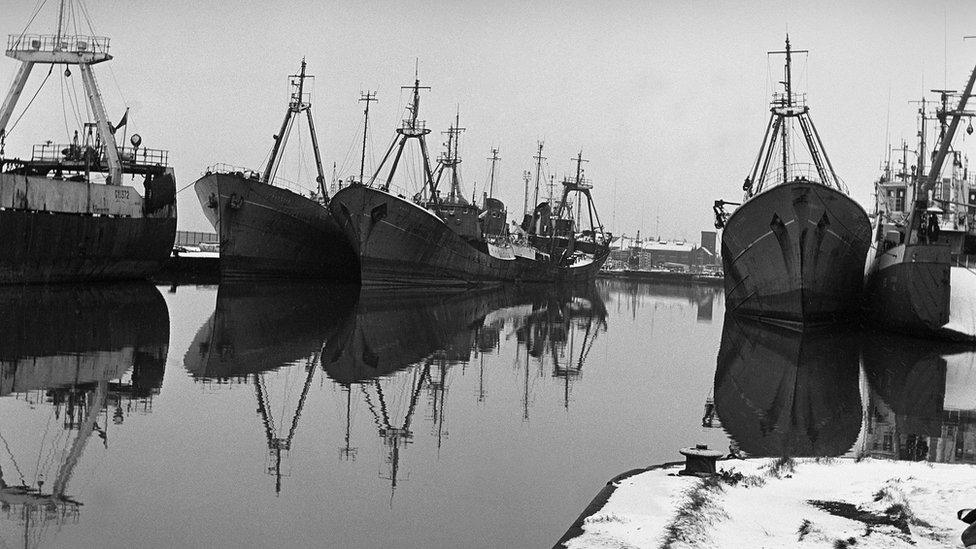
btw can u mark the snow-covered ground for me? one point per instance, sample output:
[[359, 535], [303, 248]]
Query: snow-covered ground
[[962, 302], [874, 503]]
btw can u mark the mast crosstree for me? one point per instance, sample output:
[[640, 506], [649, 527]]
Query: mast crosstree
[[449, 161], [300, 102], [785, 107], [411, 128]]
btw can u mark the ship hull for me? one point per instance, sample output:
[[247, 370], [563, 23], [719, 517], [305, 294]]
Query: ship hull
[[402, 244], [795, 254], [56, 231], [908, 288], [267, 232]]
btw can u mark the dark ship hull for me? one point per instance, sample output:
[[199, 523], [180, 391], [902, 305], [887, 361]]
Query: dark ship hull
[[267, 232], [401, 243], [68, 231], [909, 290], [795, 253]]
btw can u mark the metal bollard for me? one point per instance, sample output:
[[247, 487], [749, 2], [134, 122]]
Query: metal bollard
[[699, 460]]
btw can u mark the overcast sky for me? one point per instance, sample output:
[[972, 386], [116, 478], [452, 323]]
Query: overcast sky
[[667, 100]]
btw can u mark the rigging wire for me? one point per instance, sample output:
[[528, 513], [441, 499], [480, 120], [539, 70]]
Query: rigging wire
[[13, 460], [47, 428], [64, 111], [84, 12], [31, 20], [29, 103], [87, 113], [73, 101], [345, 159], [72, 18]]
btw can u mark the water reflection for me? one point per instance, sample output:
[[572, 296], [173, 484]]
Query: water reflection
[[781, 392], [643, 293], [922, 400], [829, 393], [400, 347], [271, 337], [73, 361]]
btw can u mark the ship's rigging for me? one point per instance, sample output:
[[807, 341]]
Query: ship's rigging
[[787, 107]]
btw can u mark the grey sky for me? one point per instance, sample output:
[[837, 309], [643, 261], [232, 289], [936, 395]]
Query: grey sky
[[668, 100]]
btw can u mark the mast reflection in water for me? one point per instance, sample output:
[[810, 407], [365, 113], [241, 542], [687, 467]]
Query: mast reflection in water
[[74, 361], [271, 336], [399, 348]]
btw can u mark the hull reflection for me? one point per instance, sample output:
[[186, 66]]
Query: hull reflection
[[82, 357], [781, 392], [258, 331], [914, 412], [400, 346], [256, 328]]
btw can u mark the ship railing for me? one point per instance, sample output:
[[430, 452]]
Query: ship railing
[[295, 187], [798, 100], [55, 43], [60, 152], [801, 171], [297, 103], [143, 155], [413, 127], [229, 169], [583, 183]]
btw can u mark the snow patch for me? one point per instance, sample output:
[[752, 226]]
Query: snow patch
[[778, 513], [962, 302]]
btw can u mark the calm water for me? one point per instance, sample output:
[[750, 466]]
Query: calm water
[[315, 416]]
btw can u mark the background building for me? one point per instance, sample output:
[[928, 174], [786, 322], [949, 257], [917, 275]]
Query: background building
[[638, 253]]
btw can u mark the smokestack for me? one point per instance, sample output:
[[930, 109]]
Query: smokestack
[[708, 241]]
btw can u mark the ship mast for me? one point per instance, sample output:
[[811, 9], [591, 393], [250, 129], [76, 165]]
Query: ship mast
[[296, 105], [450, 160], [538, 169], [786, 107], [368, 97], [412, 128], [491, 178]]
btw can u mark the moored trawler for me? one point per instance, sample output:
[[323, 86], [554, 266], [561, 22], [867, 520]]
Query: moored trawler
[[268, 231], [794, 250], [912, 282], [65, 213], [436, 240]]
